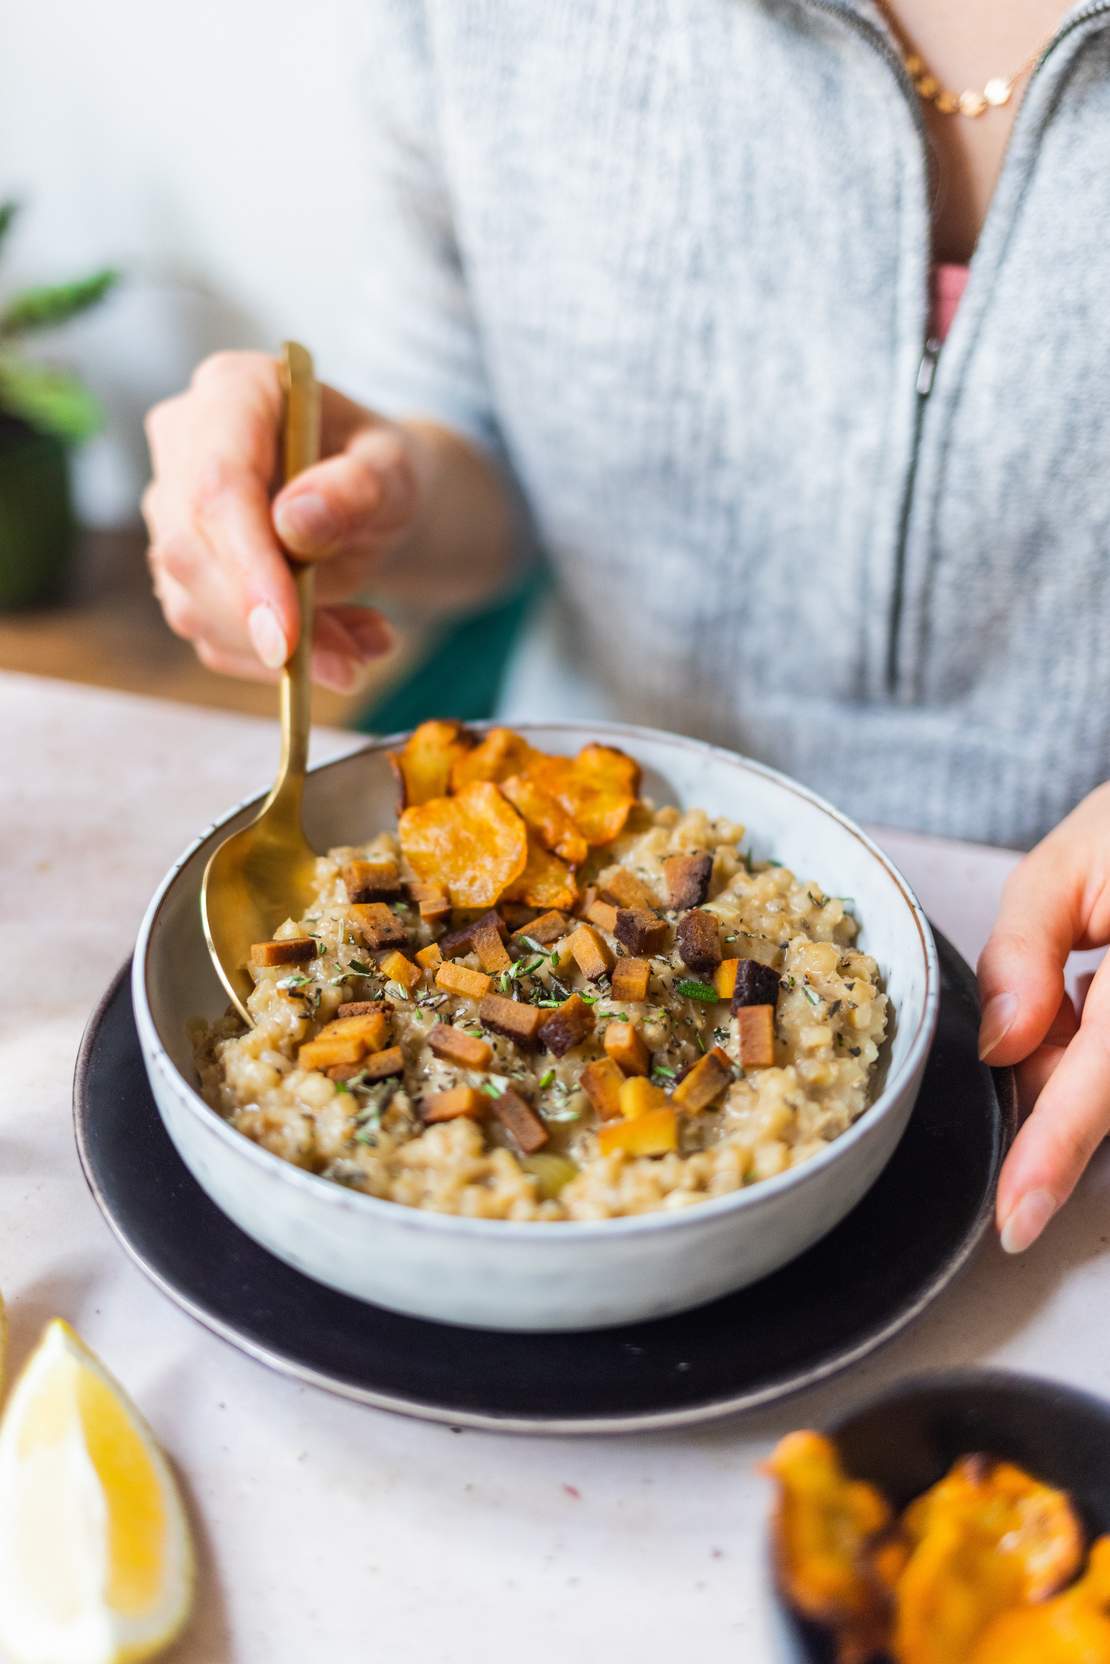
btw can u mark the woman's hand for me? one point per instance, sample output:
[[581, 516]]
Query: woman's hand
[[217, 539], [1056, 900]]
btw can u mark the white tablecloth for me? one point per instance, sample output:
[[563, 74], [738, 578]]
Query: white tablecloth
[[334, 1533]]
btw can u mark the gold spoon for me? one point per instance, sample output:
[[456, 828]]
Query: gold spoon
[[263, 873]]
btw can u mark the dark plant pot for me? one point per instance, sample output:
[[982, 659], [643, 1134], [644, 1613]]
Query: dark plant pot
[[37, 528]]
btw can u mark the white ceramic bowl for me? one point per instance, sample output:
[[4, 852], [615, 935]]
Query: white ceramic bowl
[[559, 1275]]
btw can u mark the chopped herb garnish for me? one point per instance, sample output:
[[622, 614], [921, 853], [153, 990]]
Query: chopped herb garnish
[[491, 1088], [553, 956], [699, 1040], [662, 1070], [536, 947], [772, 863], [399, 906], [720, 1034], [478, 1032], [692, 990], [296, 979], [588, 999], [360, 968], [545, 1080], [811, 994], [549, 1004]]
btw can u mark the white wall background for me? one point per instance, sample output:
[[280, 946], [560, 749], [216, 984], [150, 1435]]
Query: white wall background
[[212, 149]]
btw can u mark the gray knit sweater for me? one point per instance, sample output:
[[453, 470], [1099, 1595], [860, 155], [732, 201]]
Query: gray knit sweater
[[671, 258]]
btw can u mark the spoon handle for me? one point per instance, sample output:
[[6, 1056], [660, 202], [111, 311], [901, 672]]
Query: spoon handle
[[300, 449]]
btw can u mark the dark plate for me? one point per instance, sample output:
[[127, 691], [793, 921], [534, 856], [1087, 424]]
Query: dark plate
[[907, 1438], [790, 1330]]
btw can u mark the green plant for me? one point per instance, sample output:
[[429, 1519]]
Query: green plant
[[43, 397]]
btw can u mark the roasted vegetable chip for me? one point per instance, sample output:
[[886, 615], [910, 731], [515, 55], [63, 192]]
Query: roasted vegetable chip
[[1033, 1521], [546, 817], [597, 788], [423, 765], [498, 755], [474, 844], [823, 1528], [1072, 1628], [545, 881]]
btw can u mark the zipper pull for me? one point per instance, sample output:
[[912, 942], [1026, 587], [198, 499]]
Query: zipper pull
[[927, 369]]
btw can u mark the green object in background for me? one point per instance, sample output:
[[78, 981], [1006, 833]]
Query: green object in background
[[37, 527], [462, 672], [43, 409]]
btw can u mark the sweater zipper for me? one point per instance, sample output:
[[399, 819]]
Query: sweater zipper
[[927, 364], [923, 386]]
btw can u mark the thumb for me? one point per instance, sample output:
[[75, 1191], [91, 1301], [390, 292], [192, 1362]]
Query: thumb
[[353, 503], [1021, 969]]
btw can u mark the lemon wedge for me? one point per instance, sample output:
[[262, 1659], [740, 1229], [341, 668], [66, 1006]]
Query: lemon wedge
[[96, 1564]]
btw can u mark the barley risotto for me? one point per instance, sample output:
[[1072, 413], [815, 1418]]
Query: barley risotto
[[543, 998]]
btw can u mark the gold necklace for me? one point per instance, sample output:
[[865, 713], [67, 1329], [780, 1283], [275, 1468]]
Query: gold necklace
[[998, 91]]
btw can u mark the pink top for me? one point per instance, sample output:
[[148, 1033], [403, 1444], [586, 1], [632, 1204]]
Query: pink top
[[949, 283]]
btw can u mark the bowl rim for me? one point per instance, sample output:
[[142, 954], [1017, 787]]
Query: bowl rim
[[963, 1379], [699, 1214]]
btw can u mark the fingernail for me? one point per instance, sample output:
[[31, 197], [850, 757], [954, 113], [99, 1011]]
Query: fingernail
[[306, 522], [996, 1022], [337, 672], [1027, 1221], [267, 636], [372, 636]]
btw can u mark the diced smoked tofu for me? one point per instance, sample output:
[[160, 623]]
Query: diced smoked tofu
[[457, 979], [546, 929], [625, 1045], [467, 1050], [364, 1008], [627, 890], [698, 940], [755, 984], [586, 900], [378, 925], [456, 1101], [655, 1133], [602, 1082], [432, 900], [603, 914], [510, 1017], [492, 954], [378, 880], [399, 969], [430, 957], [687, 878], [755, 1026], [294, 950], [380, 1065], [520, 1121], [705, 1082], [457, 942], [592, 956], [640, 931], [631, 979], [568, 1025], [724, 978]]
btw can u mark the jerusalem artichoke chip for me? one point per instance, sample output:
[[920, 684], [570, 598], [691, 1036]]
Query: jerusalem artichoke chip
[[545, 881], [597, 788], [497, 755], [1072, 1628], [546, 817], [424, 763], [474, 844], [823, 1530], [1036, 1522], [986, 1537]]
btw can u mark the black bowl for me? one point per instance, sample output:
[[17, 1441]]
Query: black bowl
[[908, 1437]]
